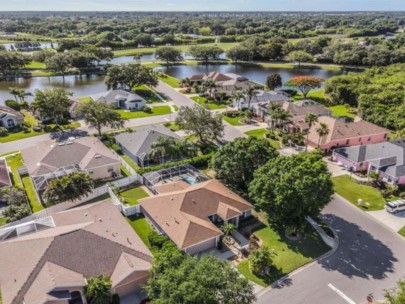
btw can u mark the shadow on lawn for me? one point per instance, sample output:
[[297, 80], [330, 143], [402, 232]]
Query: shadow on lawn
[[359, 254]]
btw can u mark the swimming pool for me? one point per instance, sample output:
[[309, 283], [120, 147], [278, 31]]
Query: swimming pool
[[190, 180]]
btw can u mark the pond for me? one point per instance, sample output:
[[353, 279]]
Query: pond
[[150, 57], [43, 45], [89, 85]]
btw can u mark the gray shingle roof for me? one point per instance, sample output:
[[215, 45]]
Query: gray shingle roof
[[389, 157], [140, 141], [111, 96]]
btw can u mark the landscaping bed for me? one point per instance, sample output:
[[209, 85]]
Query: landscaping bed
[[352, 191]]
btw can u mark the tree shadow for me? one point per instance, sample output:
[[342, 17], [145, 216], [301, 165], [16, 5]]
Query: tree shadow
[[65, 135], [359, 254]]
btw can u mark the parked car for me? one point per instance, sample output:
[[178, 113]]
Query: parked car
[[395, 206]]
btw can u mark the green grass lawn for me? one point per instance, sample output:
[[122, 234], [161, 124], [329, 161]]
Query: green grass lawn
[[288, 255], [132, 196], [141, 227], [402, 231], [14, 162], [35, 65], [160, 110], [146, 93], [210, 104], [234, 121], [260, 134], [341, 110], [316, 95], [3, 221], [171, 81], [130, 162], [85, 99], [352, 191]]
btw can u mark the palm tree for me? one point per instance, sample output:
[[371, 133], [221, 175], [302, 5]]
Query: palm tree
[[208, 85], [227, 229], [184, 148], [274, 107], [322, 131], [98, 290], [310, 119], [15, 92], [249, 93], [238, 96], [161, 147], [281, 115]]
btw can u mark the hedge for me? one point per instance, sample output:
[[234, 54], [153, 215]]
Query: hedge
[[198, 161]]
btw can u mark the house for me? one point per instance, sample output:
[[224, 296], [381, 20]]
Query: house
[[343, 133], [52, 261], [49, 160], [5, 180], [121, 99], [191, 215], [138, 144], [74, 105], [261, 97], [224, 83], [10, 118], [385, 158]]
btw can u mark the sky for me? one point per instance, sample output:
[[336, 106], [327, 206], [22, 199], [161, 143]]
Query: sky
[[202, 5]]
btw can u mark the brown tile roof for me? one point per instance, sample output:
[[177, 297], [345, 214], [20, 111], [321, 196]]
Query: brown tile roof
[[87, 152], [339, 129], [183, 215], [301, 108], [87, 241], [4, 174]]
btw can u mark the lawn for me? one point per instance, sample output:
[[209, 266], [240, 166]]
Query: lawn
[[341, 110], [141, 227], [352, 191], [14, 162], [234, 121], [148, 94], [130, 161], [210, 104], [171, 81], [132, 196], [85, 99], [260, 134], [160, 110], [2, 222], [35, 65], [288, 255], [401, 231], [316, 95]]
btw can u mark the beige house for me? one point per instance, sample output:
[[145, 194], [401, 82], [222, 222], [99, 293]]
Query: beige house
[[52, 265], [49, 160], [191, 215]]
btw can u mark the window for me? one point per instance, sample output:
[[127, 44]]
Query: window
[[10, 123], [110, 169]]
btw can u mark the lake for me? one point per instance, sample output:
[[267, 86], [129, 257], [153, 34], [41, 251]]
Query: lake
[[150, 57], [43, 45], [89, 85]]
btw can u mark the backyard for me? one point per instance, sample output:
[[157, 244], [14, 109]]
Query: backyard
[[260, 133], [159, 110], [141, 227], [352, 191], [132, 196], [210, 104], [287, 255]]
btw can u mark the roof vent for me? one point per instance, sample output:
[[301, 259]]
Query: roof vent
[[97, 156]]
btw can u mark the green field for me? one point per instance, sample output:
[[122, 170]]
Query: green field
[[210, 104], [287, 255], [352, 191], [35, 65], [160, 110], [132, 196], [234, 121]]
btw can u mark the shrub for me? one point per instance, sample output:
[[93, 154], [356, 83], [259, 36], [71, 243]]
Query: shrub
[[13, 104], [26, 124], [147, 109], [157, 240], [37, 128], [3, 132]]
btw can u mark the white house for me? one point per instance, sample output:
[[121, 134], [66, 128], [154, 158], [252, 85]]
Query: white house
[[261, 97], [121, 99]]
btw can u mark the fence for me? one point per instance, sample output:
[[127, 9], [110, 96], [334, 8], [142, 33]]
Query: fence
[[125, 164]]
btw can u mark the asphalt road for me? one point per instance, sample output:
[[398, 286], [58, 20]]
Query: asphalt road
[[370, 258]]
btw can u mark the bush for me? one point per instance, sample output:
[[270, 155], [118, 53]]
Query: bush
[[147, 109], [3, 132], [157, 240], [26, 124], [13, 104], [37, 128]]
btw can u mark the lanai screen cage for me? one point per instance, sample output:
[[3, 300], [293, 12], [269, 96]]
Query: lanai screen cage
[[42, 181], [183, 172]]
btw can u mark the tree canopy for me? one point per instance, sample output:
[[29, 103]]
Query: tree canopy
[[128, 76], [236, 162], [304, 83], [168, 54], [205, 53], [396, 295], [290, 188], [98, 290], [180, 278]]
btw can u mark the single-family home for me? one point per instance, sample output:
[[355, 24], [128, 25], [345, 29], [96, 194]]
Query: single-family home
[[224, 83], [50, 160], [52, 261], [10, 118], [121, 99], [5, 180], [73, 109], [385, 158], [138, 143], [343, 133], [261, 97], [192, 216]]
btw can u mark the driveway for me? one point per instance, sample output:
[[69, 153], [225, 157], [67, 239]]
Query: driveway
[[393, 221], [370, 258]]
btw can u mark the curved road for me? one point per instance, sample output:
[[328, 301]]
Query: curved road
[[370, 258]]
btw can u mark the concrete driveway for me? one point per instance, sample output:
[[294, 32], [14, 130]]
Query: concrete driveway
[[393, 221]]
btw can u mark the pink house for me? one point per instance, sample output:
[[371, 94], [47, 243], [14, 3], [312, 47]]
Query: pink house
[[343, 134], [386, 158]]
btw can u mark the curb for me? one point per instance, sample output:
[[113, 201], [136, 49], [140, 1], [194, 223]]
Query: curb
[[280, 281]]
